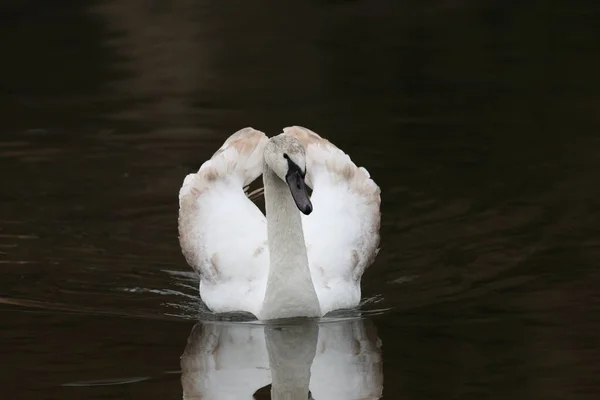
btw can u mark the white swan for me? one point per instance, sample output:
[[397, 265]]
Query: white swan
[[287, 264]]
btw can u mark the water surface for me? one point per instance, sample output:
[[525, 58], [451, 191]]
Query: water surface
[[477, 119]]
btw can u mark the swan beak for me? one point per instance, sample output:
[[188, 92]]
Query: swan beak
[[298, 189]]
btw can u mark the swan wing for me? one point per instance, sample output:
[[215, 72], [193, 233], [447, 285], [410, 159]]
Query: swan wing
[[342, 232], [222, 233]]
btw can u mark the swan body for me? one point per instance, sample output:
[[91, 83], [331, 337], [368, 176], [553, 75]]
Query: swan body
[[306, 257]]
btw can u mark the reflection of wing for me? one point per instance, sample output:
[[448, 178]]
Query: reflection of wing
[[222, 233], [342, 232], [348, 364], [224, 361], [232, 361]]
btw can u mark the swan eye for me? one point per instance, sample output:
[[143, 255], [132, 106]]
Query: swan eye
[[286, 156]]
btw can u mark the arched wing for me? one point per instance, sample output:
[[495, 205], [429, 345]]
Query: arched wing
[[342, 232], [221, 232]]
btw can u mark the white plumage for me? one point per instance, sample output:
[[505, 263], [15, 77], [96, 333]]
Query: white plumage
[[224, 235]]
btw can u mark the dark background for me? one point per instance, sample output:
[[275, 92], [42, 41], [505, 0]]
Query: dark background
[[478, 119]]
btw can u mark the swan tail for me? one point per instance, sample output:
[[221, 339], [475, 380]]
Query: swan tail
[[254, 194]]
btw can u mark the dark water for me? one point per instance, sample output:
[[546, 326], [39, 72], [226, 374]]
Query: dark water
[[478, 119]]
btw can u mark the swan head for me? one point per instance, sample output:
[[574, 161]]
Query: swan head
[[286, 157]]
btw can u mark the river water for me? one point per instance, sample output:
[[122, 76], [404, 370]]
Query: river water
[[478, 119]]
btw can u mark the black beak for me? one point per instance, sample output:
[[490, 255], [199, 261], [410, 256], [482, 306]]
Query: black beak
[[298, 189]]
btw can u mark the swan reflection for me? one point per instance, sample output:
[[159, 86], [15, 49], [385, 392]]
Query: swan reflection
[[333, 360]]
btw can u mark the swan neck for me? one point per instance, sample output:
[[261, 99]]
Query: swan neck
[[290, 291]]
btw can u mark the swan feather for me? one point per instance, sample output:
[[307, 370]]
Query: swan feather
[[342, 233], [221, 232]]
